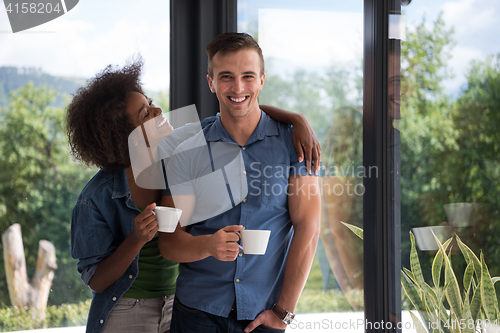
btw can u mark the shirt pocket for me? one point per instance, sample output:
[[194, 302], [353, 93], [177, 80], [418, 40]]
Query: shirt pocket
[[274, 184]]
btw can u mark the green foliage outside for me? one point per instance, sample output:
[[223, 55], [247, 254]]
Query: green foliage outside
[[449, 147], [17, 319], [39, 184], [316, 300]]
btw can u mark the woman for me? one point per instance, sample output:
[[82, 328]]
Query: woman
[[113, 228]]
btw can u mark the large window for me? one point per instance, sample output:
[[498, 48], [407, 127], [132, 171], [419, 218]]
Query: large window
[[39, 182], [313, 54], [450, 175]]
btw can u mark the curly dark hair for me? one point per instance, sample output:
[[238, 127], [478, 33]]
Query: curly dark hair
[[97, 125]]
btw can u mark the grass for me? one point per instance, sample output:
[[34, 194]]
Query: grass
[[314, 300], [18, 318]]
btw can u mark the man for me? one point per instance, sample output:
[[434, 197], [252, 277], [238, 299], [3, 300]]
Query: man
[[220, 287]]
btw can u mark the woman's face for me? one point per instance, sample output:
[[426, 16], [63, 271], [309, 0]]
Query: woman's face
[[142, 112], [140, 109]]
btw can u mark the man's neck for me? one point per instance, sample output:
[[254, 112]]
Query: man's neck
[[241, 128]]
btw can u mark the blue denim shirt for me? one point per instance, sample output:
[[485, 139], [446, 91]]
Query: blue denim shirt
[[254, 281], [102, 218]]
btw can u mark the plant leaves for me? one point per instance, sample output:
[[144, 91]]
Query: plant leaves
[[413, 295], [469, 255], [411, 291], [357, 231], [415, 263], [437, 264], [475, 305], [467, 316], [417, 323], [453, 290], [488, 294], [410, 274], [469, 272]]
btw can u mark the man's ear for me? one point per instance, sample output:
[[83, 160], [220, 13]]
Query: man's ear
[[262, 79], [210, 83]]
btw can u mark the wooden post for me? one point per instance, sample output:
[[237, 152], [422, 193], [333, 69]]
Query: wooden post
[[42, 280], [22, 293]]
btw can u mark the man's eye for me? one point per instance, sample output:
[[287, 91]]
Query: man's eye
[[147, 113]]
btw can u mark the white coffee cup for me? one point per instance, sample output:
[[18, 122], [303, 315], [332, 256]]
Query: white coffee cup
[[167, 218], [254, 241]]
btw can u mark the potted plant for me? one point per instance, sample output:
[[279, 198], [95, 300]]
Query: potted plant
[[448, 307]]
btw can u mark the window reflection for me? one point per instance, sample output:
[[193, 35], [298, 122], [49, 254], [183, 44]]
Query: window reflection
[[449, 168]]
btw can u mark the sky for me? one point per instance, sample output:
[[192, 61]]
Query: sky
[[92, 35], [101, 32]]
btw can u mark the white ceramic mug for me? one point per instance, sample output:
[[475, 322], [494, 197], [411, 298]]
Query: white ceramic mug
[[167, 218], [254, 241]]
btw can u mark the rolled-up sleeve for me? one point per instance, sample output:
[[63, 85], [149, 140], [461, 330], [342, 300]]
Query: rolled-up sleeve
[[91, 239]]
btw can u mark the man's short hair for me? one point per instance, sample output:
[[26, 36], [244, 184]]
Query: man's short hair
[[232, 42]]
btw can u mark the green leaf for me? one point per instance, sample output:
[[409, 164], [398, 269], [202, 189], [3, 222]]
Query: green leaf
[[443, 312], [437, 264], [475, 305], [411, 291], [357, 231], [469, 271], [453, 290], [488, 294], [410, 274], [415, 263], [413, 295], [467, 316], [469, 255], [417, 323]]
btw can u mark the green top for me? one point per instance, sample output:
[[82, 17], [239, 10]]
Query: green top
[[157, 275]]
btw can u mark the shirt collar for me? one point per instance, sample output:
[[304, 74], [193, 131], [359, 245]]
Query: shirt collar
[[120, 184], [266, 127]]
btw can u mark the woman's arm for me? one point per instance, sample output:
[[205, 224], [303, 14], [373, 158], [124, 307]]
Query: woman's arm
[[304, 138], [114, 266]]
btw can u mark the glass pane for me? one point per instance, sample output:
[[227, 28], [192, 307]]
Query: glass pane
[[313, 61], [39, 180], [450, 174]]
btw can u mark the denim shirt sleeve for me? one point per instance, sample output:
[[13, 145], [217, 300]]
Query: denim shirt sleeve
[[91, 239]]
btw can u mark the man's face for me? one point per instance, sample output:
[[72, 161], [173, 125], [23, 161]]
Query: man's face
[[237, 82]]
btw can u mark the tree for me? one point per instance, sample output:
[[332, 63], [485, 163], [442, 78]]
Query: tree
[[426, 126], [39, 184], [475, 168], [449, 148]]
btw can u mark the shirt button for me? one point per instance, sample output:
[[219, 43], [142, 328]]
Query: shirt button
[[130, 276], [244, 172], [101, 321], [244, 200], [114, 299], [244, 148], [240, 254], [237, 280]]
